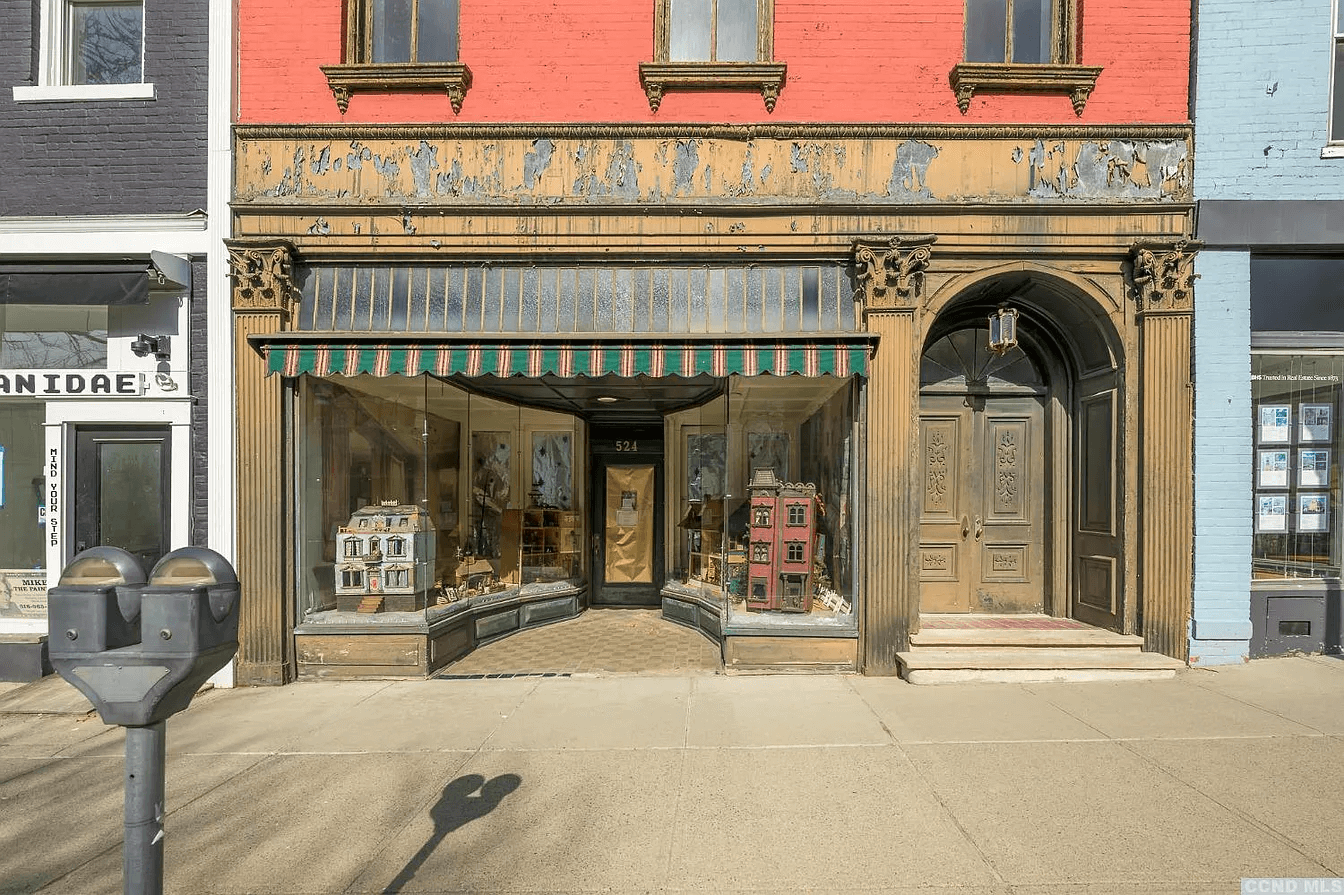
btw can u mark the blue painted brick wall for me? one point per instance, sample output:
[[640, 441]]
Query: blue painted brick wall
[[1262, 101], [1220, 627]]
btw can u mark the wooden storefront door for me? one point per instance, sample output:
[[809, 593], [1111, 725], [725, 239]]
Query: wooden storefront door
[[982, 511]]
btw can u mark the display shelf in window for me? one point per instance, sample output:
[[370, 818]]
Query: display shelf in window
[[703, 524], [550, 544]]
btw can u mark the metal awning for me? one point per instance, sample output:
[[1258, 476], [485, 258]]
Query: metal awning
[[821, 356], [125, 283]]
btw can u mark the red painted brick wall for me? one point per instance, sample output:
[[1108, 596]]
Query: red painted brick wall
[[572, 61]]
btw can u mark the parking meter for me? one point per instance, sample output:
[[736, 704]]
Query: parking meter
[[139, 650]]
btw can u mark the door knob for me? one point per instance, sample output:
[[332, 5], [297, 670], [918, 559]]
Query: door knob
[[965, 526], [979, 527]]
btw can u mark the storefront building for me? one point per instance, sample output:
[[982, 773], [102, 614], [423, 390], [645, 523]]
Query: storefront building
[[495, 372], [1269, 333], [104, 248]]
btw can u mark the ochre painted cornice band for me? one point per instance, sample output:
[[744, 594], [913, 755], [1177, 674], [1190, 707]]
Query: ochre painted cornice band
[[672, 131]]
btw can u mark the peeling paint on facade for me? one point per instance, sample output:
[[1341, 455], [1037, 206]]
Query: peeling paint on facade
[[1112, 169], [759, 171], [910, 171]]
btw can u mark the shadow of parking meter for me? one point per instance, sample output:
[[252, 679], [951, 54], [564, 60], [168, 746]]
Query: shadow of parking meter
[[139, 650]]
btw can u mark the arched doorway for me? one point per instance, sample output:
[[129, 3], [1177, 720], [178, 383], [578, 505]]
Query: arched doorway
[[985, 449], [1021, 459]]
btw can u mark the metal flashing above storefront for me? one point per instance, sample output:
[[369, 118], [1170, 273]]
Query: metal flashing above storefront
[[826, 356]]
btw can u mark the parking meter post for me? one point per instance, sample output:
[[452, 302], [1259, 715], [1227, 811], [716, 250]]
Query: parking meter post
[[140, 650], [142, 852]]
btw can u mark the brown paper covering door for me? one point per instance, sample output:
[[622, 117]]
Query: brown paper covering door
[[629, 525]]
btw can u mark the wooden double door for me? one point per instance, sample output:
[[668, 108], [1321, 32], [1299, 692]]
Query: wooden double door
[[982, 528]]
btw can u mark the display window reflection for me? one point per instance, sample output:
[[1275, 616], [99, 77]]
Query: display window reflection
[[1295, 409], [23, 510], [765, 479], [416, 495]]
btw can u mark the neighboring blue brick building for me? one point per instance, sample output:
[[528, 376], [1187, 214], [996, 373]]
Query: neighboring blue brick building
[[1269, 337]]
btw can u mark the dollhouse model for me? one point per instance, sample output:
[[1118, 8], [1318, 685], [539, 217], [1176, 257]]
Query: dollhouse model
[[781, 543], [385, 559]]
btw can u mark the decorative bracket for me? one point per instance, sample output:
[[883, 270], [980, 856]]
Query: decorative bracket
[[1164, 275], [348, 79], [263, 277], [1077, 81], [891, 273], [660, 77]]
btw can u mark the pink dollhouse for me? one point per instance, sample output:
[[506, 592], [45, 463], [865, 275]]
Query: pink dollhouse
[[782, 538]]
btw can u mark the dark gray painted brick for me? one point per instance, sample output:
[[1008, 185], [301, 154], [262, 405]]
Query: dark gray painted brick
[[114, 157]]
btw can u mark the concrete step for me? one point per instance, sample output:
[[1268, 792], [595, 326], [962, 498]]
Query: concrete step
[[1063, 638], [933, 665]]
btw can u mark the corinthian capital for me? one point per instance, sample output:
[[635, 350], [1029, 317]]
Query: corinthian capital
[[1164, 275], [891, 273], [263, 277]]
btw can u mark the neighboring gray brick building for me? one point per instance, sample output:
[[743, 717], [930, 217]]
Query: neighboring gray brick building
[[104, 241], [1269, 329]]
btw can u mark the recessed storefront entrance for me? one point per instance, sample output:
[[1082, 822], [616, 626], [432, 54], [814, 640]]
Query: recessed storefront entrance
[[628, 523], [1020, 459], [982, 518]]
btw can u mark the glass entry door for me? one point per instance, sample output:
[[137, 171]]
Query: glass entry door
[[628, 505], [122, 487]]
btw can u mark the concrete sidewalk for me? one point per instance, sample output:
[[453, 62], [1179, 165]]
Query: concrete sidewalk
[[712, 783]]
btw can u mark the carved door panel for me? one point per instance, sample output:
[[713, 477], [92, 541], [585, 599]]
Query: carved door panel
[[982, 509]]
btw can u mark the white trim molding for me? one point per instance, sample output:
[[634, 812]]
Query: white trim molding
[[1334, 150], [92, 235], [74, 93]]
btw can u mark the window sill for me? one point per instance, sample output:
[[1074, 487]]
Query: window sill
[[999, 77], [72, 93], [1334, 150], [660, 77], [349, 79]]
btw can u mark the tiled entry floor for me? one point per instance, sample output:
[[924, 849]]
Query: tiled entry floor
[[598, 641]]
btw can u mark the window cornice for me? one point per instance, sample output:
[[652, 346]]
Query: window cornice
[[347, 79], [659, 77], [1077, 81]]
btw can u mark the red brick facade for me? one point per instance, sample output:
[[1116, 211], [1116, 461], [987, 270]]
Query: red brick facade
[[550, 61]]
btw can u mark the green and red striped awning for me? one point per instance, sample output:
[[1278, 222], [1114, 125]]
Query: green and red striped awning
[[715, 358]]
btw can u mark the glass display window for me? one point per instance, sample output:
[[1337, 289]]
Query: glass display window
[[1295, 406], [414, 494], [23, 510], [789, 498], [53, 337]]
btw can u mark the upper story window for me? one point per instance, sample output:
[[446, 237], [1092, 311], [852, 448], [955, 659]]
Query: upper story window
[[105, 43], [408, 31], [400, 45], [90, 50], [1018, 46], [713, 45], [1010, 30], [713, 31], [1337, 77]]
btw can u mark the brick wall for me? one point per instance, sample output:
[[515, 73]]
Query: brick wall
[[569, 61], [1220, 625], [1263, 100], [107, 157]]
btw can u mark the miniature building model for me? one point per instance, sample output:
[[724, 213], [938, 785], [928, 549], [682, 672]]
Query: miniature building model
[[782, 536], [385, 559]]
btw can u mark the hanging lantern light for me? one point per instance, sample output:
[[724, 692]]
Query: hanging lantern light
[[1003, 330]]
